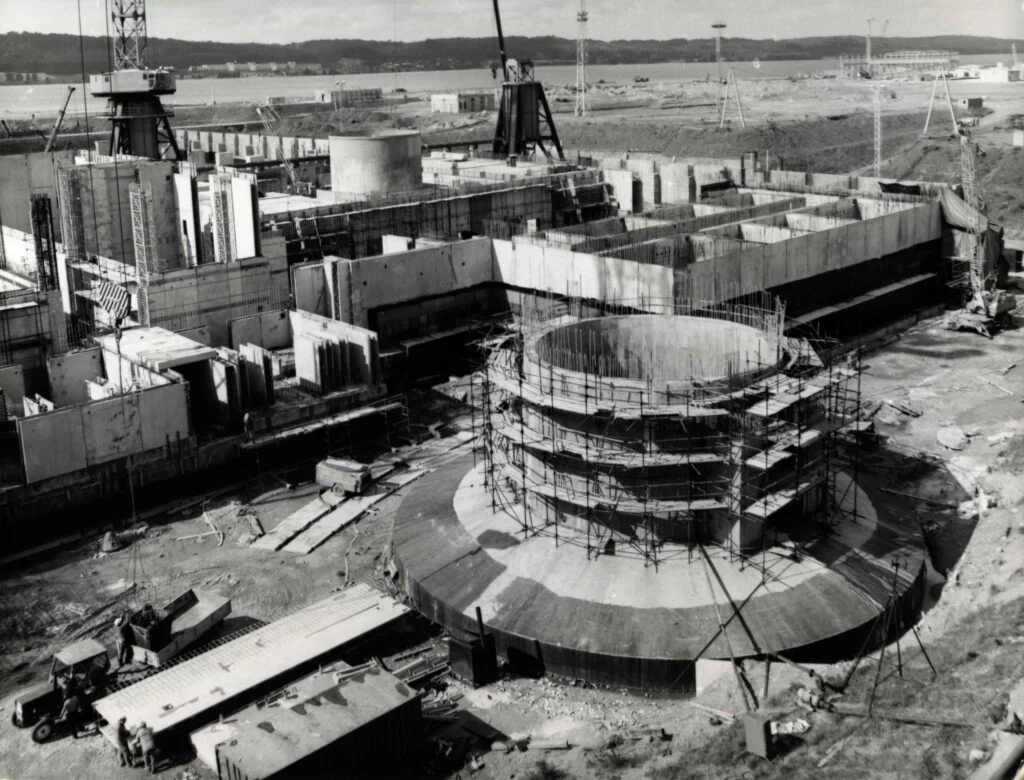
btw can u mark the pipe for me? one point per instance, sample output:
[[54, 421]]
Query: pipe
[[480, 622]]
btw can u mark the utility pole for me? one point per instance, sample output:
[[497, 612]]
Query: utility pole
[[867, 46], [581, 59]]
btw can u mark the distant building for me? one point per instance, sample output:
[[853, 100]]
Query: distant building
[[971, 102], [346, 98], [999, 74], [461, 102]]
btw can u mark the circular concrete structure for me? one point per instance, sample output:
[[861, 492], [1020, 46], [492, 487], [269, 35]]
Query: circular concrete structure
[[387, 162], [613, 621], [627, 421], [642, 476]]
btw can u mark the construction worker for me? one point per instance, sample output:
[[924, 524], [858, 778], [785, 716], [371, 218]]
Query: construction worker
[[147, 746], [124, 751], [71, 711], [125, 639]]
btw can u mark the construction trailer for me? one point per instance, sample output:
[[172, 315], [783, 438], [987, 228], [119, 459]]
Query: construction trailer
[[337, 722]]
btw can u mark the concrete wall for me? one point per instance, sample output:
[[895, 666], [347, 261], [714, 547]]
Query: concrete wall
[[87, 434], [268, 330], [24, 175], [69, 373], [213, 294], [362, 351], [367, 284]]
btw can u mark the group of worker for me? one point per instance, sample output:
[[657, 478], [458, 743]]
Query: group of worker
[[141, 742]]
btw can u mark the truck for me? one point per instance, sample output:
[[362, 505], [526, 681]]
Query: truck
[[85, 666]]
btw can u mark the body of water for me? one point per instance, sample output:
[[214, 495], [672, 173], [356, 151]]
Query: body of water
[[21, 101]]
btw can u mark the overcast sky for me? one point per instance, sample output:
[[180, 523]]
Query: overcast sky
[[285, 21]]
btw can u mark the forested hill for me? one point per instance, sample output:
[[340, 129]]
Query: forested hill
[[60, 54]]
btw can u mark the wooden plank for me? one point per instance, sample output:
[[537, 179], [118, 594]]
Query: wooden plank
[[297, 522]]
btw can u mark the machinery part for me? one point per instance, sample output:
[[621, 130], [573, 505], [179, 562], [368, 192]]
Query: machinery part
[[44, 730], [525, 122]]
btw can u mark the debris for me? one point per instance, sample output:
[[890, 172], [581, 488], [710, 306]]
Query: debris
[[213, 529], [798, 726], [813, 700], [910, 411], [110, 543], [255, 526], [1008, 369], [952, 437], [245, 540], [995, 384], [925, 499], [999, 438], [976, 755]]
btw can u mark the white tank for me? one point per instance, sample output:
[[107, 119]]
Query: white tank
[[381, 164]]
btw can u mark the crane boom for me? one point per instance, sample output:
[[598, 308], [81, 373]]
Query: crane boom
[[60, 120], [501, 41]]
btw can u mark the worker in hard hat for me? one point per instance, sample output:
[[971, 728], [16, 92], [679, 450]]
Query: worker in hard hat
[[125, 640]]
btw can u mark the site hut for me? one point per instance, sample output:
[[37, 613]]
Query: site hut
[[462, 102]]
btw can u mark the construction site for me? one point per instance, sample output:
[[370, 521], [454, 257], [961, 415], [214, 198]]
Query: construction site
[[599, 435]]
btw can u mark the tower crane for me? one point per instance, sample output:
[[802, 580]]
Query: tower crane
[[139, 123], [867, 43], [581, 59]]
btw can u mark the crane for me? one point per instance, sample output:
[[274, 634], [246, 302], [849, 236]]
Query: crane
[[60, 120], [266, 114], [140, 125], [867, 47], [524, 116], [581, 59]]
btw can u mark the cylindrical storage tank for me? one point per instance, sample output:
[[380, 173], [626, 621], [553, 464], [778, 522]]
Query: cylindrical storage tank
[[380, 164]]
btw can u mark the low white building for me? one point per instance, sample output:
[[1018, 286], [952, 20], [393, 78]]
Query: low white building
[[999, 74], [461, 102]]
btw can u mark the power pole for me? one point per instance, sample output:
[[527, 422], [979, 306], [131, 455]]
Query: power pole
[[867, 46], [581, 59]]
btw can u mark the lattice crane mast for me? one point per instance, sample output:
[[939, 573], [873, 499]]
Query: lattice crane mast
[[139, 123], [581, 59], [266, 114]]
